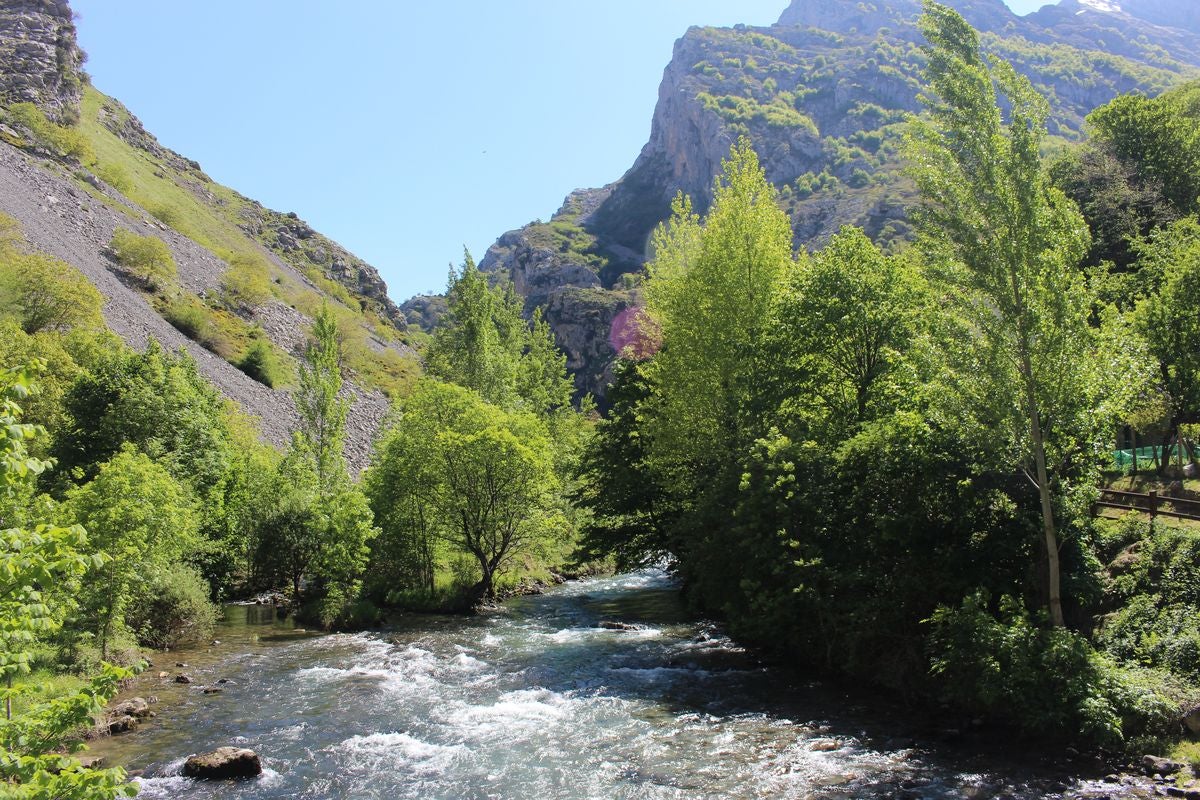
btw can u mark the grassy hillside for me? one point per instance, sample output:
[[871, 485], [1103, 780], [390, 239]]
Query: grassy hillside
[[272, 257]]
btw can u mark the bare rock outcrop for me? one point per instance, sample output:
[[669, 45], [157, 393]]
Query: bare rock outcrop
[[41, 60]]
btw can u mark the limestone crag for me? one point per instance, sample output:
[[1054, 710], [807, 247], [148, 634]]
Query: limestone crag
[[560, 268], [823, 95], [41, 60]]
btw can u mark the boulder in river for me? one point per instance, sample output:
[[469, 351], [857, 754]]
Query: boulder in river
[[1153, 765], [224, 763], [121, 724], [182, 678], [610, 625], [137, 707]]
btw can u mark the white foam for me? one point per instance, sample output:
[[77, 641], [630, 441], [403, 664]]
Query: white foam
[[378, 751], [525, 709]]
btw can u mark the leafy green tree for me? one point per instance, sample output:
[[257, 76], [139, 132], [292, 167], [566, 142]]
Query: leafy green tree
[[1169, 320], [154, 400], [1157, 136], [1006, 244], [630, 508], [469, 347], [35, 760], [483, 343], [712, 289], [142, 520], [322, 433], [46, 294], [488, 486], [849, 317], [322, 525], [146, 257]]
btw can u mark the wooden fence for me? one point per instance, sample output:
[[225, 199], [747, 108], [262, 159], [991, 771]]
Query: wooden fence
[[1151, 503]]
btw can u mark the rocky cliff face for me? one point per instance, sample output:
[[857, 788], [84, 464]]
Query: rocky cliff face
[[822, 95], [39, 57], [67, 211]]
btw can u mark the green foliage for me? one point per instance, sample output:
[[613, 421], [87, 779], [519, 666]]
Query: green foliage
[[849, 318], [322, 411], [155, 401], [485, 345], [714, 319], [43, 293], [466, 472], [1044, 680], [34, 748], [628, 502], [140, 520], [171, 608], [247, 282], [146, 258], [190, 317], [64, 141], [1006, 245], [261, 363], [1169, 320], [319, 525]]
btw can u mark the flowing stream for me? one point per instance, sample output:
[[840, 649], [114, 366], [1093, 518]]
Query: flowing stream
[[538, 701]]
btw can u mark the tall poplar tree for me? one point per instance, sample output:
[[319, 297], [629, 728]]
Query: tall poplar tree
[[712, 289], [1007, 245]]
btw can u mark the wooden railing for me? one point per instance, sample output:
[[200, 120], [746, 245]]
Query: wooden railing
[[1151, 503]]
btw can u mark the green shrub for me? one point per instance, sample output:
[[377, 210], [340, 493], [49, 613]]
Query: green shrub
[[260, 362], [145, 257], [1044, 680], [174, 609], [115, 175], [62, 140], [189, 318], [247, 282]]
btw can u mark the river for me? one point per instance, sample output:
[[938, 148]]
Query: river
[[538, 701]]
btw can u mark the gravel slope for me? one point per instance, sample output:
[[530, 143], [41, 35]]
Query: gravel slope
[[64, 221]]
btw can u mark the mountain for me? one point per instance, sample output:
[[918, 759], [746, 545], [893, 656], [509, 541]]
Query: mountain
[[76, 166], [823, 95]]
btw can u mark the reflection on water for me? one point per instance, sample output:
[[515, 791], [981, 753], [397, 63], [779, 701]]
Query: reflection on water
[[539, 701], [237, 614]]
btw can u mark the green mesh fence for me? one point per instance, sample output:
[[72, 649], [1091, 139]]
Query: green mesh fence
[[1145, 456]]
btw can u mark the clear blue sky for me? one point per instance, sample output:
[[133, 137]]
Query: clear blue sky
[[405, 130]]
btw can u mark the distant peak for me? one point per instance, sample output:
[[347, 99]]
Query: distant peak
[[1105, 6]]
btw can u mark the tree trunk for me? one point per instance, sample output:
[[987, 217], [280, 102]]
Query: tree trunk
[[1043, 484]]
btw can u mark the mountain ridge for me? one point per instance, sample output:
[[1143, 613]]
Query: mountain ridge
[[824, 108], [118, 176]]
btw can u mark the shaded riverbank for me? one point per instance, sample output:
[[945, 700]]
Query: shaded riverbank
[[539, 700]]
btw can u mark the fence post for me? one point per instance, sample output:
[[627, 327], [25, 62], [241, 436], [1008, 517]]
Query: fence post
[[1153, 503]]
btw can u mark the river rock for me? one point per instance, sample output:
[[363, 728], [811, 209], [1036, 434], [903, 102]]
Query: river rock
[[212, 690], [224, 763], [610, 625], [1192, 720], [825, 745], [121, 724], [182, 678], [137, 707], [1153, 765]]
